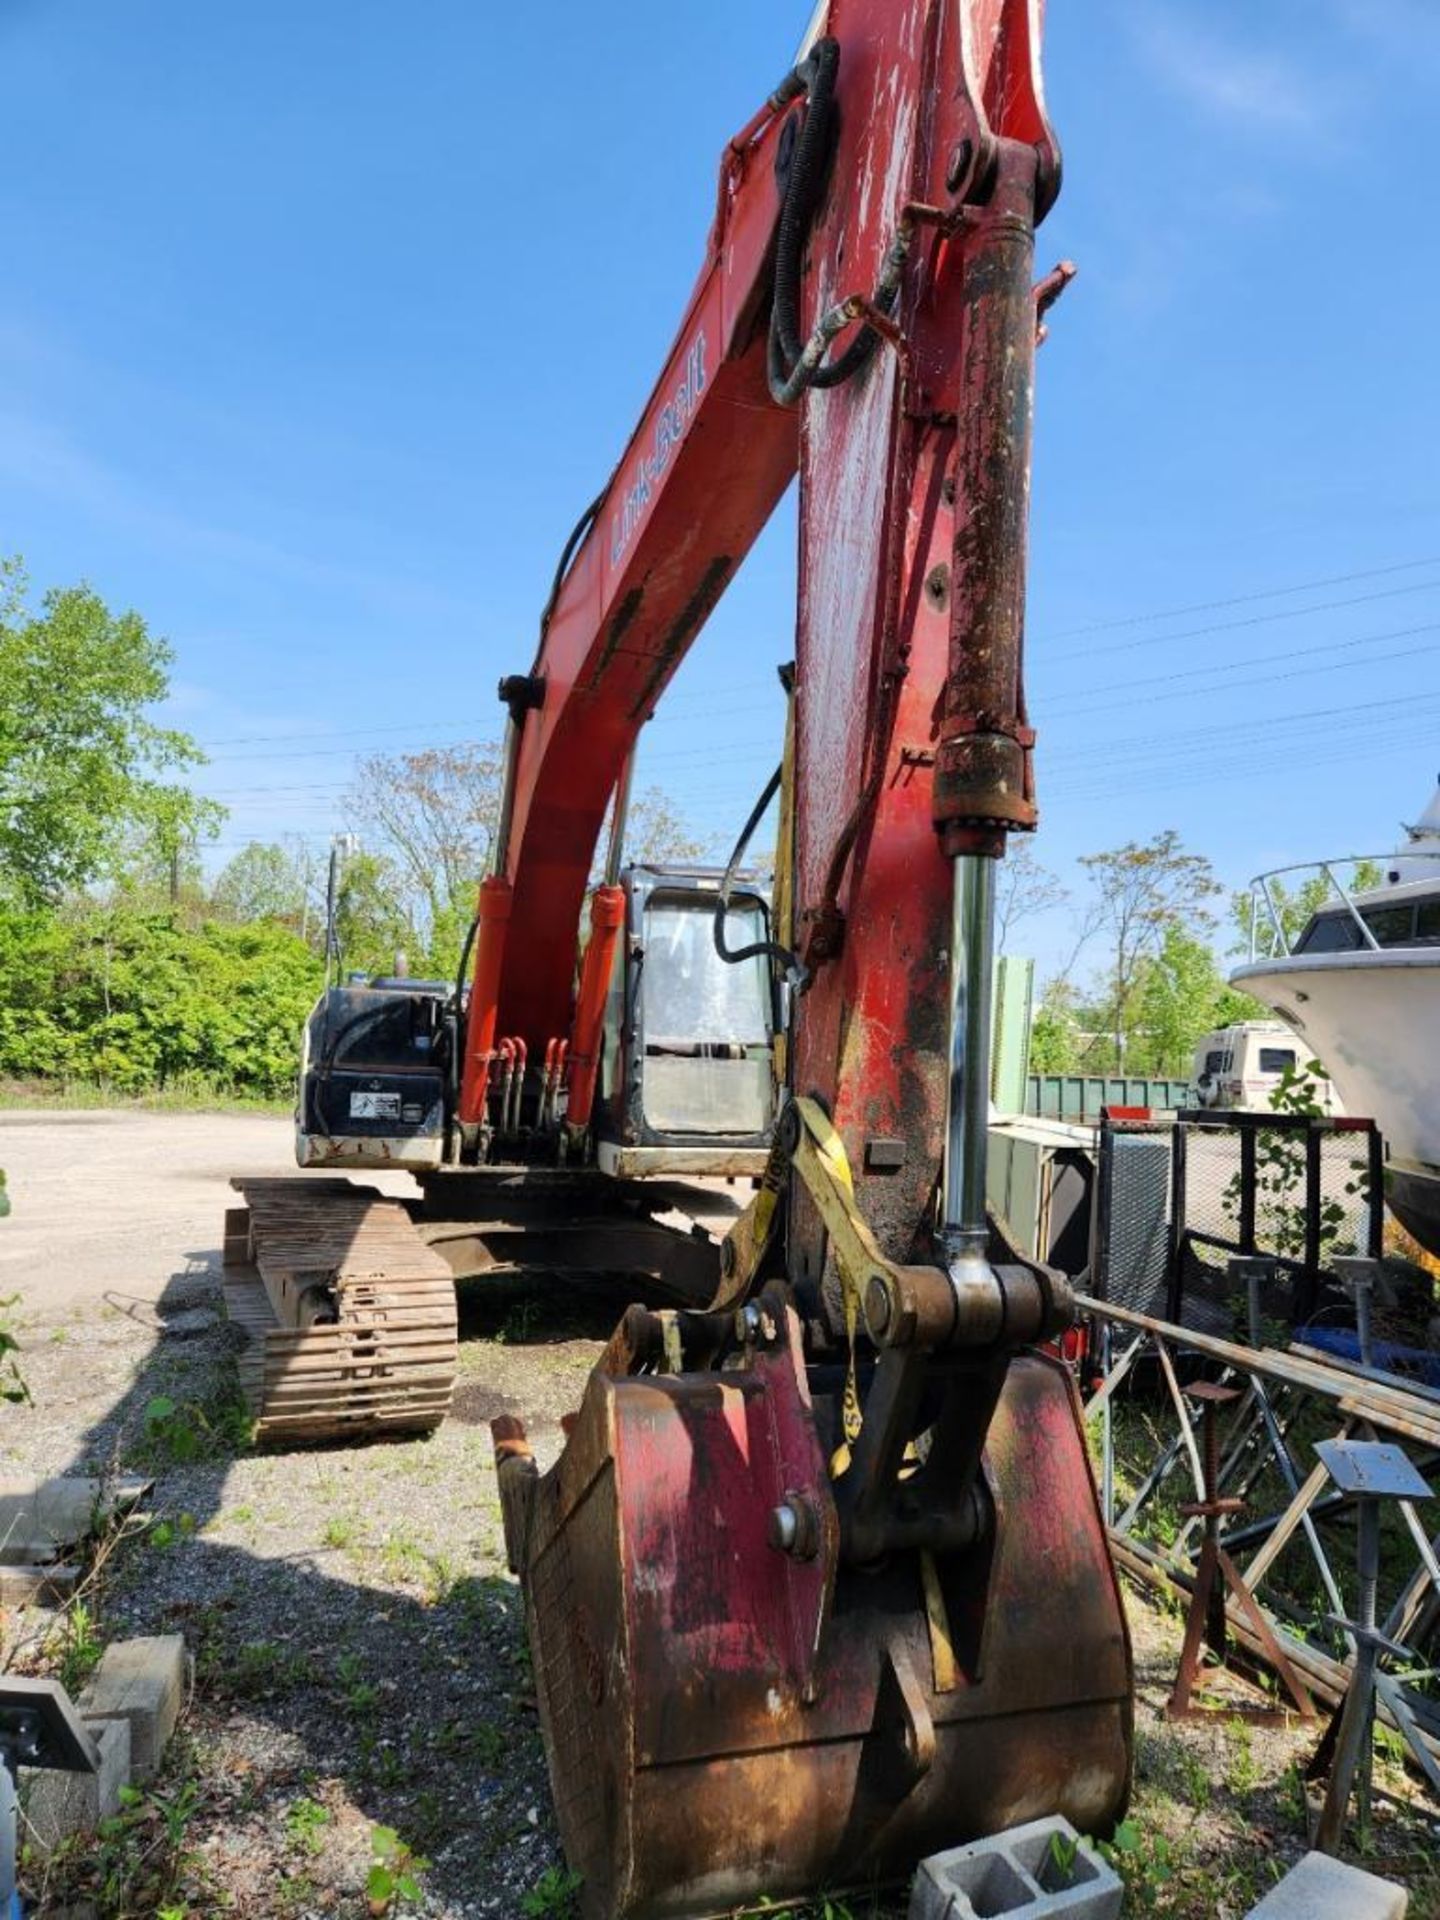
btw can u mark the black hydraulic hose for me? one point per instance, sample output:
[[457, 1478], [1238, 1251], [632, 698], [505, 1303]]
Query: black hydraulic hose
[[769, 949], [794, 365], [471, 931], [567, 554], [458, 1015]]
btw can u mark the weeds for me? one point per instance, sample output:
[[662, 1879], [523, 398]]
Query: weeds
[[394, 1878], [517, 1329], [553, 1896], [140, 1865], [256, 1670], [305, 1824], [1244, 1771], [181, 1434], [482, 1741], [1144, 1859], [12, 1381], [80, 1647], [391, 1769]]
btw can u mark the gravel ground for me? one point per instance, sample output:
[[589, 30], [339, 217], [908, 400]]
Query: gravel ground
[[359, 1657]]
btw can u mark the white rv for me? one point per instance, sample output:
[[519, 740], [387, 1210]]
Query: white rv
[[1241, 1066]]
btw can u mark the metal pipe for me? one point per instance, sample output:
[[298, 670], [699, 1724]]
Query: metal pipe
[[972, 939], [619, 814]]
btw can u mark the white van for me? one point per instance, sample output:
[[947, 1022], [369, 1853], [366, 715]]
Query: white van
[[1241, 1066]]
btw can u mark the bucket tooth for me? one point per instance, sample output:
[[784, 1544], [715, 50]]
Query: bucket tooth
[[518, 1476]]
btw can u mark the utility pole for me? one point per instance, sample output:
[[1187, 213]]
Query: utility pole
[[342, 847]]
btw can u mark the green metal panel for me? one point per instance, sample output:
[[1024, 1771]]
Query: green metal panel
[[1010, 1042], [1014, 1173], [1079, 1097]]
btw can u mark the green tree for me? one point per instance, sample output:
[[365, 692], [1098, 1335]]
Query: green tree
[[429, 819], [1140, 892], [1054, 1036], [1023, 888], [82, 763], [268, 880], [1183, 994], [139, 999], [657, 834], [372, 924]]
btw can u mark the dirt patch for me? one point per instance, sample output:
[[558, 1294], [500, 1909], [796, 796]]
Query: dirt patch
[[476, 1405]]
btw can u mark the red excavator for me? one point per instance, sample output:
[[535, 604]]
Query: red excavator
[[819, 1582]]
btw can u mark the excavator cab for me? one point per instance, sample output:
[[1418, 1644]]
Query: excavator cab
[[687, 1082]]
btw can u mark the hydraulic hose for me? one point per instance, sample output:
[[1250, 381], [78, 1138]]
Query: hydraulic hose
[[794, 365], [567, 554], [452, 1065], [769, 949]]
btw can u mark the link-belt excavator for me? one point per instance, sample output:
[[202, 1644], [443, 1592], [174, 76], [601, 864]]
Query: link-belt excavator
[[819, 1581]]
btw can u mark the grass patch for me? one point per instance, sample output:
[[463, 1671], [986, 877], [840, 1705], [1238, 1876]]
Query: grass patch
[[189, 1094]]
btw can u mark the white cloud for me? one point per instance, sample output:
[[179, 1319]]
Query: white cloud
[[1408, 29], [1243, 85], [40, 458]]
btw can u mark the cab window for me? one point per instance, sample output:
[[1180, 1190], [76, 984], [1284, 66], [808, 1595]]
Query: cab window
[[1391, 926]]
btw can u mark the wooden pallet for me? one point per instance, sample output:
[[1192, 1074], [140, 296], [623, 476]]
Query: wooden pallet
[[349, 1316]]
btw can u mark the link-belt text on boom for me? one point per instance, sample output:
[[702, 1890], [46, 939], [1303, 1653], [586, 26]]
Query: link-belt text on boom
[[670, 430]]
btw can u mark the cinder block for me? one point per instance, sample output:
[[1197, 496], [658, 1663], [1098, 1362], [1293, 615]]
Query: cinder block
[[59, 1804], [1019, 1874], [142, 1681], [1319, 1888]]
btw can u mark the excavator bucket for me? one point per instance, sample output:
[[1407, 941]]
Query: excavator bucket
[[731, 1712]]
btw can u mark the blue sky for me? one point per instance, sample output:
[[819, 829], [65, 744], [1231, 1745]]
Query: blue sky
[[320, 323]]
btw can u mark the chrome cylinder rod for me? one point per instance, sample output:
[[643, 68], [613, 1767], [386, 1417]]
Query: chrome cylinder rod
[[510, 766], [619, 819], [972, 939]]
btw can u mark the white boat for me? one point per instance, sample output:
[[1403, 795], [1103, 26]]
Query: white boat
[[1361, 984]]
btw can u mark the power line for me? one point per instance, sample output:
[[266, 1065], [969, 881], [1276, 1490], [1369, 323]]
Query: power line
[[1243, 599], [1227, 681], [1258, 620], [1265, 729], [1167, 778], [325, 733], [766, 680], [337, 753]]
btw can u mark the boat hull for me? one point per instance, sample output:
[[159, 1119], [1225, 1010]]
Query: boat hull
[[1373, 1019]]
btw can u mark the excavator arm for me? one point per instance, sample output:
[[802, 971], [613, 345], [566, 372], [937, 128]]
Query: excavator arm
[[819, 1581]]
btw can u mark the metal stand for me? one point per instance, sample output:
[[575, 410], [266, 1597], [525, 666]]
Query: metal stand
[[1215, 1571], [1370, 1471], [38, 1728]]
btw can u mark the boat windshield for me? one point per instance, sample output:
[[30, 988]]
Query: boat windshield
[[1413, 923]]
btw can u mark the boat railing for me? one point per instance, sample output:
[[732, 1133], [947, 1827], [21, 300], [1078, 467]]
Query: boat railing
[[1269, 939]]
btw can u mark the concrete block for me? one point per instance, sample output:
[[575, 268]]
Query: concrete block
[[1016, 1874], [1319, 1888], [142, 1681], [60, 1804]]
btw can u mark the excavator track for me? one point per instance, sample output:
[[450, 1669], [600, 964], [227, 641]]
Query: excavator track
[[349, 1315]]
